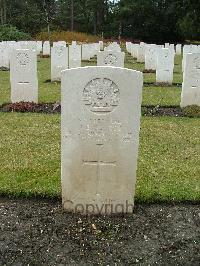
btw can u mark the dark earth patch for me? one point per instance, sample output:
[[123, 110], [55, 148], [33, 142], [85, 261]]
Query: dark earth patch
[[38, 232], [23, 107], [162, 111], [54, 108], [44, 56], [155, 84], [4, 69], [149, 71]]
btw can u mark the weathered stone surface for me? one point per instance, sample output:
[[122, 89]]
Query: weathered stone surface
[[101, 108]]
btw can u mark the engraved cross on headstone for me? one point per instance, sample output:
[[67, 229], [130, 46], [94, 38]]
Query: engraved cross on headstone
[[99, 163]]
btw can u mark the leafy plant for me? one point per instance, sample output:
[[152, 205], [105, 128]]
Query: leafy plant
[[9, 33]]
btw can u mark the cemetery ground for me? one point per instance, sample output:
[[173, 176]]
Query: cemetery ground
[[164, 228]]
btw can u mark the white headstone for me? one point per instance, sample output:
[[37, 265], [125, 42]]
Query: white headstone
[[109, 58], [59, 61], [128, 47], [151, 57], [165, 66], [23, 76], [101, 108], [74, 56], [86, 52], [178, 49], [46, 48], [191, 81], [187, 49], [134, 49], [171, 47], [39, 47], [4, 56], [141, 53], [101, 44]]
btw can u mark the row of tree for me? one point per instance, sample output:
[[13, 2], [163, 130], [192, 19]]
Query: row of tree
[[148, 20]]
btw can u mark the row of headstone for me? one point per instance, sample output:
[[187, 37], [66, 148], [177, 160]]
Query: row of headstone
[[138, 51], [88, 50], [161, 59], [64, 58], [157, 58], [6, 49], [24, 82], [23, 68]]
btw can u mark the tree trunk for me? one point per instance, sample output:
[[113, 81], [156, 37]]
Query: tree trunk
[[95, 22], [3, 11], [48, 30], [120, 32], [72, 15]]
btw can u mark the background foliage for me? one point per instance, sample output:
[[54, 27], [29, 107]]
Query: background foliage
[[10, 33], [147, 20]]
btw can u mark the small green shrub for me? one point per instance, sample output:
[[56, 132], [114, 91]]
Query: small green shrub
[[9, 33], [192, 111]]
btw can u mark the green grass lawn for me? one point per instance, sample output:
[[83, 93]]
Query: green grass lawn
[[168, 167], [50, 92], [169, 96]]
